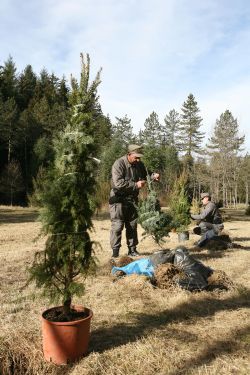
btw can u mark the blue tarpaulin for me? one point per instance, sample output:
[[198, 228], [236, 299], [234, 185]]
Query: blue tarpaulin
[[142, 266]]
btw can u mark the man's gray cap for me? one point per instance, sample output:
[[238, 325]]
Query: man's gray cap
[[136, 150], [203, 195]]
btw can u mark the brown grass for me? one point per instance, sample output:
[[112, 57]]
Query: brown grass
[[137, 328]]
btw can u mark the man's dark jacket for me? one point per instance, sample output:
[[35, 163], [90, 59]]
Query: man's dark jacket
[[209, 213], [124, 178]]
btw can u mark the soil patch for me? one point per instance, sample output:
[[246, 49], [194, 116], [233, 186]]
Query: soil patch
[[219, 280], [57, 314], [122, 261]]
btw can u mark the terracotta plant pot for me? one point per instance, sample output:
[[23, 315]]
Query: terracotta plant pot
[[65, 342], [183, 236]]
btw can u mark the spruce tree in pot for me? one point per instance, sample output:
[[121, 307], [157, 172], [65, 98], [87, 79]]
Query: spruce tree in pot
[[155, 222], [61, 268], [180, 207]]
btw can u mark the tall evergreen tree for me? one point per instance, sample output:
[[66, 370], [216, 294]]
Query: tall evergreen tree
[[116, 146], [63, 93], [11, 182], [152, 132], [224, 147], [45, 87], [226, 138], [171, 129], [8, 126], [244, 177], [66, 198], [123, 130], [31, 107], [171, 169], [27, 132], [26, 87], [190, 135], [103, 129], [8, 80]]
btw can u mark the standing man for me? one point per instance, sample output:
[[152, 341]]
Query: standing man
[[210, 220], [128, 177]]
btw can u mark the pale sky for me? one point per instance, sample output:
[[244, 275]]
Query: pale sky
[[153, 52]]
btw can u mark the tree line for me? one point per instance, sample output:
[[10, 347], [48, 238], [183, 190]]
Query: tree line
[[34, 109]]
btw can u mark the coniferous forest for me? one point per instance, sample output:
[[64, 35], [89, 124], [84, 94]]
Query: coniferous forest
[[35, 108]]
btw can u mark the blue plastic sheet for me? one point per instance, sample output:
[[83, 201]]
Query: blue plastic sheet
[[142, 266]]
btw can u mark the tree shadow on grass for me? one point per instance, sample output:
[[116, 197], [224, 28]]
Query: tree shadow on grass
[[241, 239], [216, 254], [106, 338], [10, 217], [211, 255], [235, 343]]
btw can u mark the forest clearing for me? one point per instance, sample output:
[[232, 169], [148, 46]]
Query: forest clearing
[[124, 188], [136, 328]]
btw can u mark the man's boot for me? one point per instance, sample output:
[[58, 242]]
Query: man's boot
[[132, 252], [115, 253]]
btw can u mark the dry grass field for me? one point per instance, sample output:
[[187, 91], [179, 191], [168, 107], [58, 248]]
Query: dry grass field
[[136, 328]]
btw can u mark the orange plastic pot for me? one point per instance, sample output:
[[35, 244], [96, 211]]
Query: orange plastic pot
[[65, 342]]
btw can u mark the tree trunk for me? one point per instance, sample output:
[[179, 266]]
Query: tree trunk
[[247, 193], [67, 306], [26, 167]]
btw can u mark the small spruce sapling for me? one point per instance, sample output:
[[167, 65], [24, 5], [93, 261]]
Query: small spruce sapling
[[153, 220]]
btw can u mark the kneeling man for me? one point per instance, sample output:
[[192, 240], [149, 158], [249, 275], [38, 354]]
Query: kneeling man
[[210, 220]]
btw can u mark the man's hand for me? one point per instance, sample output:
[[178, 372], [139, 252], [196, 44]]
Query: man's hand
[[156, 176], [140, 184]]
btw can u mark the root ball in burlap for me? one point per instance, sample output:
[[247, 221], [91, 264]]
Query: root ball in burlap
[[164, 277], [219, 280]]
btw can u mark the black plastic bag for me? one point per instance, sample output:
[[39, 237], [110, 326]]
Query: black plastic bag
[[196, 273], [162, 257]]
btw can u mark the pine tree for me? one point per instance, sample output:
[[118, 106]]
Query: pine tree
[[123, 130], [8, 80], [31, 107], [11, 181], [171, 129], [26, 85], [63, 93], [171, 169], [66, 198], [190, 135], [8, 126], [103, 130], [226, 138], [224, 147], [27, 132], [154, 158], [152, 133], [113, 150], [245, 178]]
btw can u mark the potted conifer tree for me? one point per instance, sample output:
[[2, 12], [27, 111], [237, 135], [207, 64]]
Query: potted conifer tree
[[155, 222], [180, 207], [65, 197]]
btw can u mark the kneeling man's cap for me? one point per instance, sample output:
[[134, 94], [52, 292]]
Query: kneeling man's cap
[[136, 150], [203, 195]]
